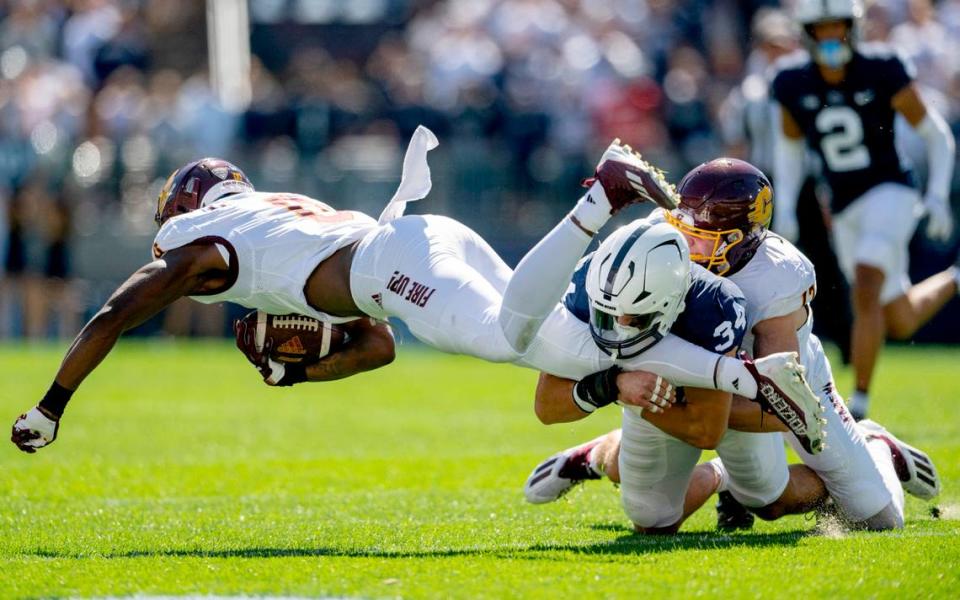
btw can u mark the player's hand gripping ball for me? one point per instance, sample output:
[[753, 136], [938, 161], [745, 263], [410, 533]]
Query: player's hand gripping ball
[[272, 341]]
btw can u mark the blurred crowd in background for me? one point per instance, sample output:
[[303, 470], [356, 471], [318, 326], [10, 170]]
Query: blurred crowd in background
[[101, 99]]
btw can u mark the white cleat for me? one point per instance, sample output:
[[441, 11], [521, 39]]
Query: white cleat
[[560, 473], [916, 471], [782, 391]]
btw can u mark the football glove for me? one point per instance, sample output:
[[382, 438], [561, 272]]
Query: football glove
[[34, 430], [939, 217]]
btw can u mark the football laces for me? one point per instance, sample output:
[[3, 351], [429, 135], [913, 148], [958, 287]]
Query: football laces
[[296, 322]]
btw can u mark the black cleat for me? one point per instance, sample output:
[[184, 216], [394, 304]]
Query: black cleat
[[731, 515]]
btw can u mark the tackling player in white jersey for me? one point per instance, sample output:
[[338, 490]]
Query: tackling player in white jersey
[[724, 208], [641, 277], [220, 240]]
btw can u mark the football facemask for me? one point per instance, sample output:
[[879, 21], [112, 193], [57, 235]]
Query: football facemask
[[626, 341], [719, 242]]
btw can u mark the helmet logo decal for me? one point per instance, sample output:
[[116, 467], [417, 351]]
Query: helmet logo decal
[[164, 194], [762, 207]]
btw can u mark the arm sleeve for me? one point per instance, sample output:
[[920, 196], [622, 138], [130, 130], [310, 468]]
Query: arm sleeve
[[687, 365], [940, 145], [788, 172]]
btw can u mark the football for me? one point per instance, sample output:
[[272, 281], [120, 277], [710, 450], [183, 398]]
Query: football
[[297, 339]]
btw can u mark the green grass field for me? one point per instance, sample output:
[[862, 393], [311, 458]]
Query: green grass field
[[178, 472]]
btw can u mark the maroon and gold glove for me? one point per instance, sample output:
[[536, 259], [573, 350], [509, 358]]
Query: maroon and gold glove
[[274, 373]]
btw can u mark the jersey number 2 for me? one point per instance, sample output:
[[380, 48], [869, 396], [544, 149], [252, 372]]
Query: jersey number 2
[[842, 141]]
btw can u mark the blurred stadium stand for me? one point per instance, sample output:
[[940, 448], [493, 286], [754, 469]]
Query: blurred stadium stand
[[101, 99]]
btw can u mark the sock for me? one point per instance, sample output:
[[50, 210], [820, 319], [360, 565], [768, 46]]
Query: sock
[[859, 403], [593, 209], [539, 282], [722, 475], [956, 277], [593, 462], [733, 377]]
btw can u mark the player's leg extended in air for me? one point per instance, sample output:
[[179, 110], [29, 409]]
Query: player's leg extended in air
[[457, 295]]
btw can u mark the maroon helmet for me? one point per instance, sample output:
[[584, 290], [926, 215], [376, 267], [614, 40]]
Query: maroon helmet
[[198, 184], [725, 209]]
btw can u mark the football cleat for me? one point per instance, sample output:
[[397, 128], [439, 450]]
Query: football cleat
[[783, 392], [560, 473], [731, 515], [916, 471], [629, 179]]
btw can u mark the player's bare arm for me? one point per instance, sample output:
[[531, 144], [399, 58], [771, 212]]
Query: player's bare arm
[[292, 349], [908, 103], [184, 271], [777, 334], [789, 127], [561, 400], [371, 345], [701, 420]]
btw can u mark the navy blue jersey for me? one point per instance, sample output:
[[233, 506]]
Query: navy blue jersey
[[714, 315], [850, 125]]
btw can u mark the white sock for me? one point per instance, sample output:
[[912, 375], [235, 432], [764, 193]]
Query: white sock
[[859, 402], [593, 209], [593, 462], [733, 377], [722, 475], [956, 278], [539, 282]]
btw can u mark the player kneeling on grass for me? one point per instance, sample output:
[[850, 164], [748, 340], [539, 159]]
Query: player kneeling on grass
[[639, 284], [724, 209]]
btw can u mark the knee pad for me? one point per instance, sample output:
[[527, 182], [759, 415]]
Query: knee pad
[[888, 518], [650, 510]]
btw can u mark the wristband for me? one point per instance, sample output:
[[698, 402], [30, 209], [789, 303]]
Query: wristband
[[55, 400], [597, 390], [293, 373]]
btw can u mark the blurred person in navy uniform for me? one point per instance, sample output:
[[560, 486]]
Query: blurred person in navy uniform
[[748, 129], [842, 100]]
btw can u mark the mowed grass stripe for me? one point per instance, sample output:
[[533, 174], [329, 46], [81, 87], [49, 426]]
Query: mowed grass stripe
[[177, 472]]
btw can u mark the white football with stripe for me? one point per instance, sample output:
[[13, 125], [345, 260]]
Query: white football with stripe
[[297, 339]]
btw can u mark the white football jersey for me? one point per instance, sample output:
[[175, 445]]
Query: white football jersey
[[272, 242], [777, 281]]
